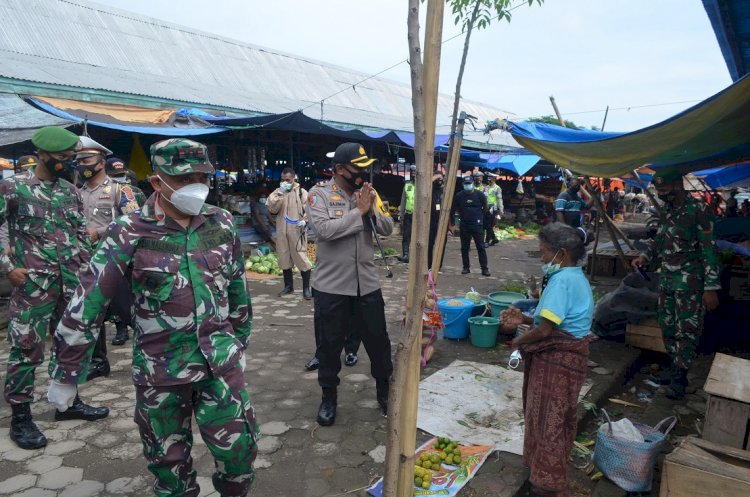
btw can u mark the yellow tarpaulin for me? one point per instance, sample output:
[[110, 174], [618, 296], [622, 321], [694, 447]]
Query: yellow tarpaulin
[[139, 162], [124, 113]]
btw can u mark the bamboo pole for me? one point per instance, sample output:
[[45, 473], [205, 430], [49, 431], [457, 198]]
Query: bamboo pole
[[404, 390], [447, 202]]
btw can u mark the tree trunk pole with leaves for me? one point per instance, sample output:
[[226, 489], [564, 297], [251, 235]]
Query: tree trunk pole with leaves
[[404, 391]]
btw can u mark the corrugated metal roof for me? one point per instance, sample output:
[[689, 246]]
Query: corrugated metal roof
[[81, 44], [19, 120]]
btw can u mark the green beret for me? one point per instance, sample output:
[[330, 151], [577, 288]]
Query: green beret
[[54, 139], [667, 176]]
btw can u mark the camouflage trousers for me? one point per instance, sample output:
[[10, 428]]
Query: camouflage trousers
[[681, 320], [227, 424], [33, 313]]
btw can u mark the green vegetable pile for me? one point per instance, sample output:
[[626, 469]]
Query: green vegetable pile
[[389, 252], [505, 231], [267, 264]]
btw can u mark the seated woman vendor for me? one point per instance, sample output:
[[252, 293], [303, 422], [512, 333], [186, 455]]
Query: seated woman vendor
[[555, 353]]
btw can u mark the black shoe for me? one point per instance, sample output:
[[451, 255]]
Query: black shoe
[[492, 242], [677, 388], [312, 364], [79, 410], [121, 336], [403, 258], [23, 431], [465, 271], [486, 272], [97, 369], [327, 410], [306, 291], [351, 359], [382, 396], [659, 380], [288, 283]]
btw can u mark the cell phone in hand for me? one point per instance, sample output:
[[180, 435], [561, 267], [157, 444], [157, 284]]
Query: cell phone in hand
[[643, 273]]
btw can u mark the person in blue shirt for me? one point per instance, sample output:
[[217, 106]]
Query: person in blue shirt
[[555, 353], [471, 205], [569, 204]]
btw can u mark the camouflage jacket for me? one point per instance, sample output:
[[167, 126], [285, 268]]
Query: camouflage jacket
[[192, 309], [684, 247], [46, 227]]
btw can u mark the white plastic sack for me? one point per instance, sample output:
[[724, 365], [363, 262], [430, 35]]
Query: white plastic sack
[[625, 430]]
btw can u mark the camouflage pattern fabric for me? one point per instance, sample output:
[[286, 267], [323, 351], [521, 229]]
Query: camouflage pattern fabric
[[684, 249], [227, 424], [192, 310], [177, 156], [48, 234]]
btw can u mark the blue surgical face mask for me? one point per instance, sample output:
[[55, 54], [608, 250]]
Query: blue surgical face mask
[[551, 267], [468, 187]]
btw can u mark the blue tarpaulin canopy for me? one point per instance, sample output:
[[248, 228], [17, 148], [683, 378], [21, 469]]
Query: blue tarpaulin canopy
[[729, 177], [712, 133]]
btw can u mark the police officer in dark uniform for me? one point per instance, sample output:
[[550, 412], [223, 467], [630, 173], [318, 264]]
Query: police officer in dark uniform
[[471, 206], [346, 286]]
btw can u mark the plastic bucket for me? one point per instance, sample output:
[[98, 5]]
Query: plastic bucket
[[484, 331], [479, 308], [455, 317], [502, 300]]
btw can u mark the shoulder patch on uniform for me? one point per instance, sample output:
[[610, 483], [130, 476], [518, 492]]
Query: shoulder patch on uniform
[[129, 193], [312, 199]]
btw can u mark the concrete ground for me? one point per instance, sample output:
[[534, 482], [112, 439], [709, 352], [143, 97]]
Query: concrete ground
[[297, 457]]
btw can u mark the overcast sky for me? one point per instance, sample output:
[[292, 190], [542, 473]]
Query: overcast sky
[[589, 54]]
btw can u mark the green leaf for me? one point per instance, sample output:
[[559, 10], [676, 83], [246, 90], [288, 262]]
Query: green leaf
[[464, 423]]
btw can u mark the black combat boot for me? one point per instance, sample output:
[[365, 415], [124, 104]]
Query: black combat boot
[[23, 431], [79, 410], [677, 388], [327, 410], [99, 362], [306, 291], [122, 334], [382, 395], [405, 257], [288, 283]]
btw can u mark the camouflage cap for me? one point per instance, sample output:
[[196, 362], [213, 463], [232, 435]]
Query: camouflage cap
[[54, 139], [177, 156], [666, 176]]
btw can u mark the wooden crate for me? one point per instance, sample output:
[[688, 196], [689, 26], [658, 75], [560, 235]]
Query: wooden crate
[[645, 335], [698, 468], [608, 263], [728, 408]]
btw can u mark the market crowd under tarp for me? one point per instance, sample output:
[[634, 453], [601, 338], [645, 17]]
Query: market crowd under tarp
[[713, 133]]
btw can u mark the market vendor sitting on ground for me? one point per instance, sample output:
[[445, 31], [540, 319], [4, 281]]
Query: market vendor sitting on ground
[[569, 204], [288, 203], [555, 353], [689, 278], [183, 262]]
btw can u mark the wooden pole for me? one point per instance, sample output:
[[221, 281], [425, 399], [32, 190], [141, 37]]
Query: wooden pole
[[557, 111], [447, 202], [404, 390]]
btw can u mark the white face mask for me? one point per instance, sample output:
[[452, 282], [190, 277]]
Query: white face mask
[[188, 199], [285, 186], [262, 200]]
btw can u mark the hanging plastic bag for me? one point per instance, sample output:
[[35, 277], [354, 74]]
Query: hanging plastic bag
[[519, 187]]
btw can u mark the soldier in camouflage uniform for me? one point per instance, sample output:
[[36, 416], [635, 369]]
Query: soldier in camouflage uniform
[[684, 249], [192, 321], [50, 246], [21, 170], [104, 200]]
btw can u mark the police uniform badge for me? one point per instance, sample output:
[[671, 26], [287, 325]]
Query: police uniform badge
[[312, 200], [107, 189]]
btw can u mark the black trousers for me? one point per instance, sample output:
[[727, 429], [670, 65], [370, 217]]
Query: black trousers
[[431, 246], [468, 233], [335, 317], [406, 235], [489, 227]]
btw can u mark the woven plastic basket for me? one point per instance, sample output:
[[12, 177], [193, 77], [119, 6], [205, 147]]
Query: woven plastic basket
[[630, 464]]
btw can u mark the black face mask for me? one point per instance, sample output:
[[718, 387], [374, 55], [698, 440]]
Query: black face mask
[[438, 183], [353, 177], [87, 172], [58, 168]]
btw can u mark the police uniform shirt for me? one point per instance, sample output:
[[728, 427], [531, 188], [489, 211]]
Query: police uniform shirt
[[470, 206], [104, 202], [344, 238]]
